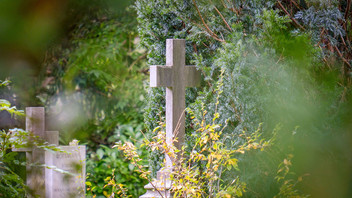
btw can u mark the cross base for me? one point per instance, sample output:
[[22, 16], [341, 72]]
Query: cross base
[[162, 184]]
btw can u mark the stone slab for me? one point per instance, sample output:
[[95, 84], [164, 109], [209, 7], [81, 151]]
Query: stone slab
[[62, 185]]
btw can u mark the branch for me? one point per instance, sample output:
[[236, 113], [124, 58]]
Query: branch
[[136, 61], [195, 48], [338, 51], [140, 169], [288, 14], [324, 59], [294, 2], [227, 25], [196, 24], [343, 58], [347, 9], [223, 3], [212, 34], [200, 27]]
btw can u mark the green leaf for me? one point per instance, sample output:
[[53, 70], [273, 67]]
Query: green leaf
[[4, 103]]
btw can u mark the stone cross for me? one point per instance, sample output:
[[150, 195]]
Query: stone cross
[[45, 181], [175, 76], [35, 123]]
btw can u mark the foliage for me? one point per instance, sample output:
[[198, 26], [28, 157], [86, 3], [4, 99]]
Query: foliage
[[110, 174], [281, 63], [199, 171], [280, 69], [288, 186], [209, 160], [93, 84], [120, 190], [100, 72], [11, 184]]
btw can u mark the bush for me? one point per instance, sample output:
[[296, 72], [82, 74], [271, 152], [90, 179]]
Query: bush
[[11, 184], [276, 72], [96, 84], [108, 165]]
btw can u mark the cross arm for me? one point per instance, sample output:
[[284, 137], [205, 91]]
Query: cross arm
[[193, 76], [160, 76]]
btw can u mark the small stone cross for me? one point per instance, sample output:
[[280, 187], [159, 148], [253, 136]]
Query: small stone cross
[[45, 182], [35, 123], [175, 76]]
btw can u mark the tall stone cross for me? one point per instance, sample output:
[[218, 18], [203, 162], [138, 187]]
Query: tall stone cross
[[175, 76]]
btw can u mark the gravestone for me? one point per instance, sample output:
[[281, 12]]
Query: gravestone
[[61, 185], [51, 183], [175, 76]]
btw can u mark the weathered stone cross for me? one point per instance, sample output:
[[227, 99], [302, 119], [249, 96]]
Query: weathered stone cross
[[35, 123], [45, 182], [175, 76]]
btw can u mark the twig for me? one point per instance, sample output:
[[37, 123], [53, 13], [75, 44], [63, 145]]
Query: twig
[[347, 9], [294, 2], [195, 23], [223, 3], [212, 34], [343, 58], [343, 41], [205, 45], [324, 59], [222, 17], [222, 36], [280, 58], [151, 183], [225, 6], [195, 48], [293, 19], [136, 61]]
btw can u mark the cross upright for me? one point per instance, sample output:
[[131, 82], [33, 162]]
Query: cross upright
[[35, 123], [175, 76]]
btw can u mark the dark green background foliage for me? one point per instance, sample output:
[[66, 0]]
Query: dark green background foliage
[[99, 79], [290, 75], [81, 60]]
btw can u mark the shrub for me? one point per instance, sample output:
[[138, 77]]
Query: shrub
[[276, 72]]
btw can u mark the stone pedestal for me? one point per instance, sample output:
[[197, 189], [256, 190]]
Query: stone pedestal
[[59, 185], [162, 184], [50, 182]]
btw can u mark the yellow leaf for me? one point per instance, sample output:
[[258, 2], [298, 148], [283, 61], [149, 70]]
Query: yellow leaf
[[287, 162]]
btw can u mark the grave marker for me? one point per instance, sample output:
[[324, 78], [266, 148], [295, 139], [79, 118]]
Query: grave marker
[[175, 76], [48, 182], [61, 185], [35, 123]]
